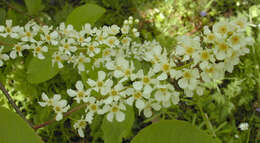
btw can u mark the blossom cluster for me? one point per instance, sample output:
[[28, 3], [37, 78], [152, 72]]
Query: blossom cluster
[[130, 72]]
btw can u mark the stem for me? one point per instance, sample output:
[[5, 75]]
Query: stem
[[75, 109], [207, 121], [11, 101]]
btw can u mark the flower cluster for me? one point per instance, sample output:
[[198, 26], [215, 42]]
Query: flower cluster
[[130, 72]]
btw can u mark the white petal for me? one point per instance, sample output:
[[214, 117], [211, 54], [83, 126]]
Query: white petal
[[56, 97], [140, 104], [120, 116], [71, 92], [138, 85], [81, 133], [43, 104], [45, 97], [183, 83], [59, 117], [163, 76], [110, 116], [148, 113], [101, 75], [79, 85], [91, 82]]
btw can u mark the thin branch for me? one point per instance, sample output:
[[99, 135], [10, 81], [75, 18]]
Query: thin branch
[[75, 109], [5, 92]]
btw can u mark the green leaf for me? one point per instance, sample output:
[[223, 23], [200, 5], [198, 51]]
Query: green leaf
[[14, 129], [115, 131], [172, 131], [34, 6], [8, 43], [88, 13], [2, 16], [41, 70]]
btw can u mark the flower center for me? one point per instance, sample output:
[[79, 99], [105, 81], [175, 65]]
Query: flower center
[[223, 46], [28, 34], [93, 107], [137, 95], [38, 49], [58, 108], [205, 55], [114, 93], [166, 67], [100, 84], [189, 50], [187, 75], [146, 80], [235, 40], [81, 94], [115, 109]]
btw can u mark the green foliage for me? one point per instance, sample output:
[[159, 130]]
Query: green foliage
[[115, 131], [88, 13], [14, 129], [41, 70], [173, 131], [34, 6]]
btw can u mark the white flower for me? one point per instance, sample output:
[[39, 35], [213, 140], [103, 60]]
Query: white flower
[[9, 30], [49, 101], [60, 107], [241, 23], [101, 36], [115, 94], [113, 30], [80, 36], [166, 94], [243, 126], [18, 49], [204, 57], [125, 29], [121, 68], [187, 47], [80, 61], [165, 67], [58, 57], [145, 81], [101, 85], [111, 41], [29, 32], [67, 46], [223, 28], [210, 37], [137, 97], [149, 106], [115, 110], [3, 57], [50, 38], [80, 125], [87, 29], [38, 50], [189, 79], [237, 40], [93, 48], [80, 94], [213, 72], [222, 50], [66, 31]]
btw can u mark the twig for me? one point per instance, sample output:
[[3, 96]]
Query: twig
[[65, 115], [5, 92]]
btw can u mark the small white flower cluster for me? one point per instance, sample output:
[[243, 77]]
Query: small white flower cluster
[[59, 105], [243, 126], [131, 72]]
